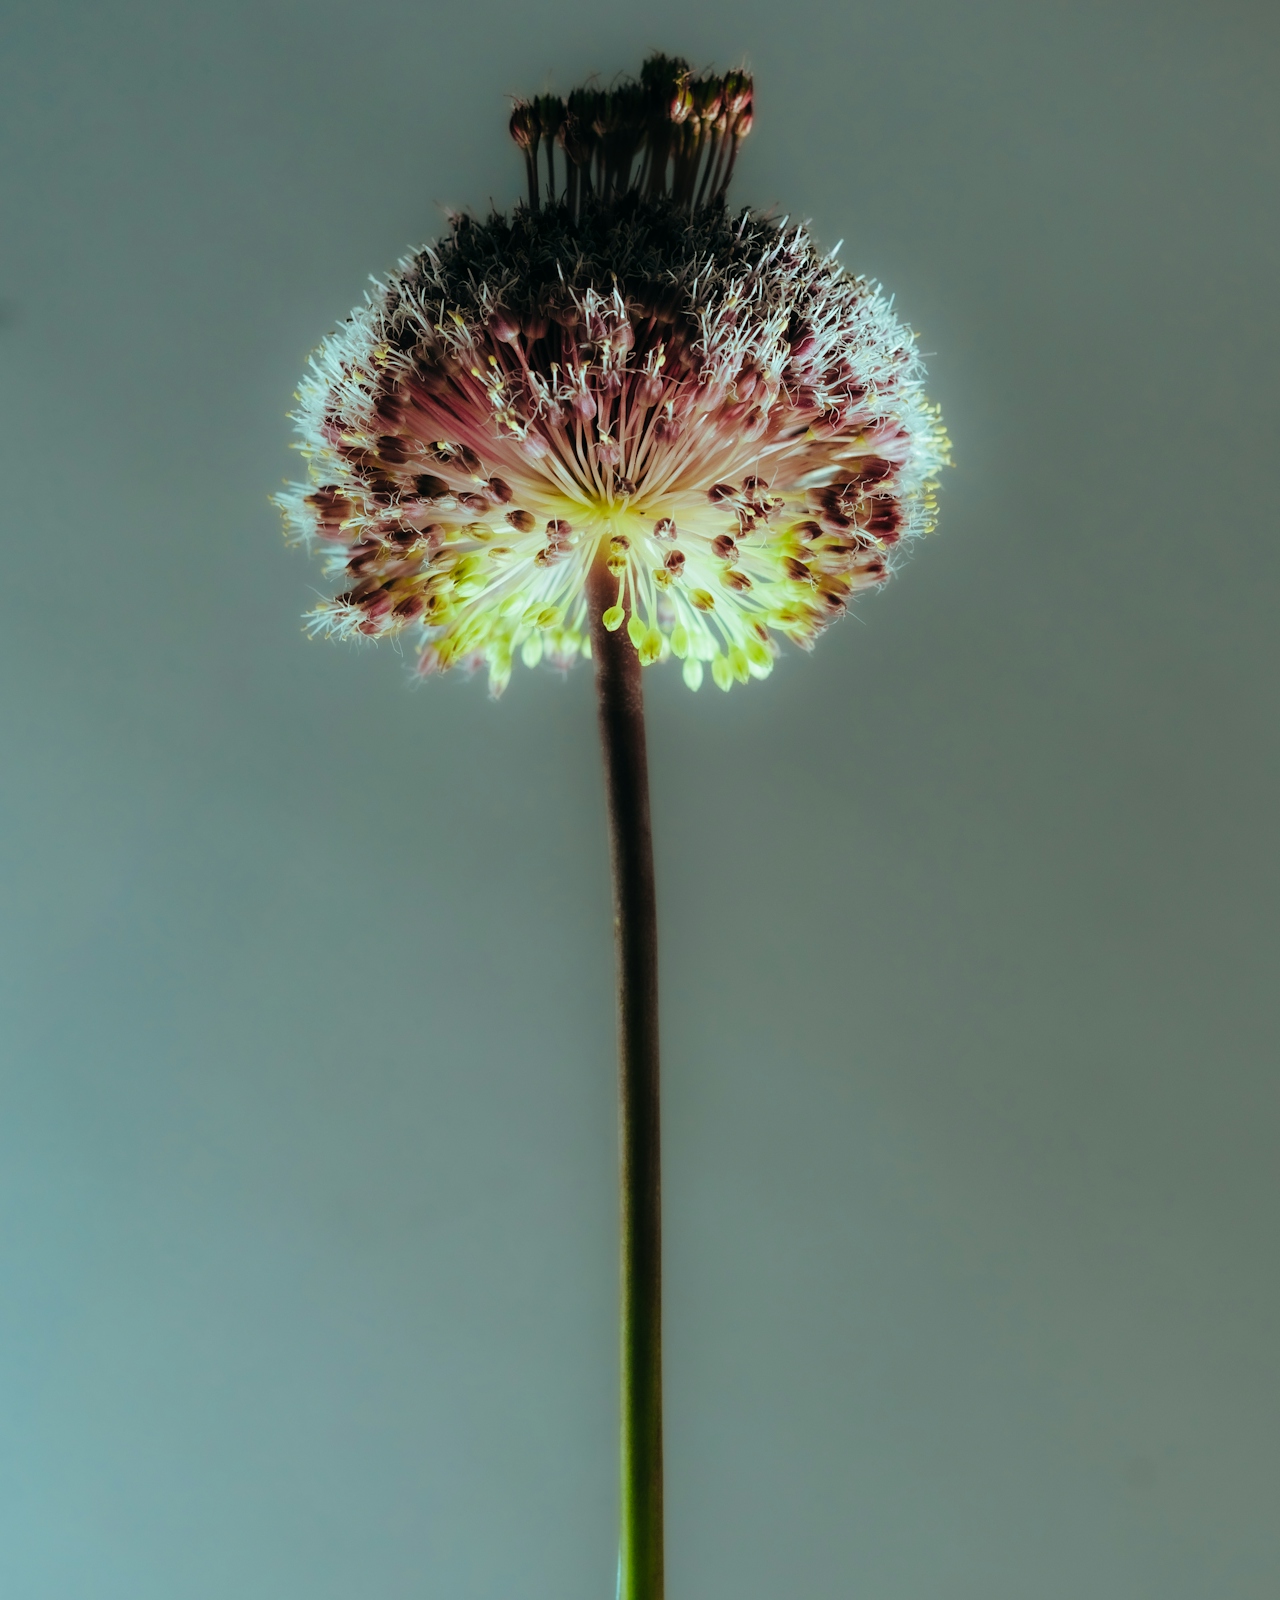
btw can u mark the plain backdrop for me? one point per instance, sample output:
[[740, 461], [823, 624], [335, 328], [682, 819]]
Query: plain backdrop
[[307, 1159]]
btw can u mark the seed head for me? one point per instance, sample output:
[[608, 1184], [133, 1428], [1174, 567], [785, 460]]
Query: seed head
[[620, 370]]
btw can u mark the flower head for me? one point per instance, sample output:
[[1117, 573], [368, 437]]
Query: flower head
[[618, 371]]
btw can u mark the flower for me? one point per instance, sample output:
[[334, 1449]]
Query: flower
[[620, 370]]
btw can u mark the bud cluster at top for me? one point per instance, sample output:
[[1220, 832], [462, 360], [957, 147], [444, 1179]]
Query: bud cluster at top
[[668, 134]]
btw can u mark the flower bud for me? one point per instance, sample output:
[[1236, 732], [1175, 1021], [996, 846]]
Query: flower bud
[[523, 123]]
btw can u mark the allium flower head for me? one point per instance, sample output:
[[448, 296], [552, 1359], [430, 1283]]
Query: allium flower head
[[620, 370]]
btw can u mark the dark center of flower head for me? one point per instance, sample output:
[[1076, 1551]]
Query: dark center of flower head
[[620, 369]]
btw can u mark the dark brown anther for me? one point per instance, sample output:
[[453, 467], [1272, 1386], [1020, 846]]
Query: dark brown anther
[[475, 500], [724, 547], [329, 498], [522, 521], [454, 455], [872, 469], [363, 555], [808, 530], [500, 489], [664, 528], [737, 580], [674, 560], [403, 536], [408, 609], [798, 570], [558, 531], [720, 491], [393, 449], [831, 508], [429, 487], [332, 508], [885, 520], [624, 486]]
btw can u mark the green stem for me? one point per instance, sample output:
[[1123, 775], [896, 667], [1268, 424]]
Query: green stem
[[621, 708]]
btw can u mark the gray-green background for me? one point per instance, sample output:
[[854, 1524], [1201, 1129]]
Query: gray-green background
[[307, 1165]]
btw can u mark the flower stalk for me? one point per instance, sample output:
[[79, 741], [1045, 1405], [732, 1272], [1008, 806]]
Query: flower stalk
[[621, 713]]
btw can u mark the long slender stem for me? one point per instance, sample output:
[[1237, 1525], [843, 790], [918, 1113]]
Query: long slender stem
[[621, 706]]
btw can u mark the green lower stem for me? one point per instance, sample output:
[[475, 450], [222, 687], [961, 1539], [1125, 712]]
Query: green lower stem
[[621, 708]]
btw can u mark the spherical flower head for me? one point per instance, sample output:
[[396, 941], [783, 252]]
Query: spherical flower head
[[620, 371]]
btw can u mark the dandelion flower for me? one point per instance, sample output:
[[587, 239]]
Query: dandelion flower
[[619, 370]]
